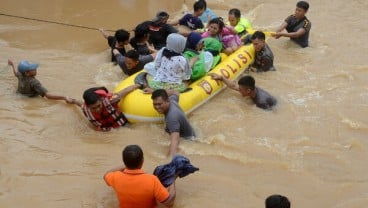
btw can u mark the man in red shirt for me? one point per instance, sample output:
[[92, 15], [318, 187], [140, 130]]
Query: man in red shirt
[[133, 187]]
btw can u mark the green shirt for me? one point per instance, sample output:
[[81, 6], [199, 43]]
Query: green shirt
[[242, 26]]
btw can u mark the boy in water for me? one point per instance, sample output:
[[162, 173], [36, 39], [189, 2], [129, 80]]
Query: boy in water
[[28, 84], [118, 41], [101, 107]]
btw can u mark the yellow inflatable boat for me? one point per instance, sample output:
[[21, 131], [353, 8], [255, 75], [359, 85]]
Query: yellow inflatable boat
[[137, 106]]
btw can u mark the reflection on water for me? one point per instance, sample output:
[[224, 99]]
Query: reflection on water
[[311, 148]]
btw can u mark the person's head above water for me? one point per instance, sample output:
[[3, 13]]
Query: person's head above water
[[277, 201]]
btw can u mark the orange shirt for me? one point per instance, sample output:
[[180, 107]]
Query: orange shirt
[[136, 189]]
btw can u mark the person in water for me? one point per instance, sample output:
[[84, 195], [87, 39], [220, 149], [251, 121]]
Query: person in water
[[140, 40], [159, 30], [132, 62], [177, 124], [118, 41], [263, 60], [246, 87], [277, 201], [297, 26], [28, 85], [134, 187], [101, 107]]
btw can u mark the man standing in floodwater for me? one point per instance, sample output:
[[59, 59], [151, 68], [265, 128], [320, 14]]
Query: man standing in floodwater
[[297, 26]]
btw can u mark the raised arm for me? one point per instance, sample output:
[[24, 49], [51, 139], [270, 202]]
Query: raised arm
[[10, 63], [104, 33]]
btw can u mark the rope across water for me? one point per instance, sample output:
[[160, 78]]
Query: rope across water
[[52, 22]]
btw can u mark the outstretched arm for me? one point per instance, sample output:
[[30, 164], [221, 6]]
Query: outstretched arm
[[296, 34], [58, 97], [104, 33], [227, 82], [76, 102], [282, 27], [127, 90], [10, 63]]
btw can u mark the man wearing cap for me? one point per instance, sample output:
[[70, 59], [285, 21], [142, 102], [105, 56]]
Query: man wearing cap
[[27, 83], [159, 30]]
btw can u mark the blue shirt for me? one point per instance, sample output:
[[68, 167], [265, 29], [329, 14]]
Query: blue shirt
[[206, 13], [191, 21]]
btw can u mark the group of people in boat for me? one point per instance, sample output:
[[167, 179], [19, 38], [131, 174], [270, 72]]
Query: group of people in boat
[[172, 57]]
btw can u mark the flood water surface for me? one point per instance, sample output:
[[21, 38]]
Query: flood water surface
[[311, 148]]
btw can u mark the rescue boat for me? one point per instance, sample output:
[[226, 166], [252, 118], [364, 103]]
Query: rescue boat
[[137, 105]]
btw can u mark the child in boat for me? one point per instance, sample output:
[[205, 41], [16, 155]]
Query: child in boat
[[140, 40], [192, 21], [207, 15], [28, 84], [239, 23], [193, 49], [118, 41], [214, 46], [227, 35]]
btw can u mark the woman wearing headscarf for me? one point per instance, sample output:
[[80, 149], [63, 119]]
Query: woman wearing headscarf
[[170, 66], [193, 49]]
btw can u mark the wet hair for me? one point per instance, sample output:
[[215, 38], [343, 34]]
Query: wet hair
[[198, 5], [90, 97], [132, 156], [258, 35], [247, 81], [122, 35], [132, 54], [219, 21], [204, 3], [303, 4], [235, 12], [277, 201], [142, 30], [160, 93]]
